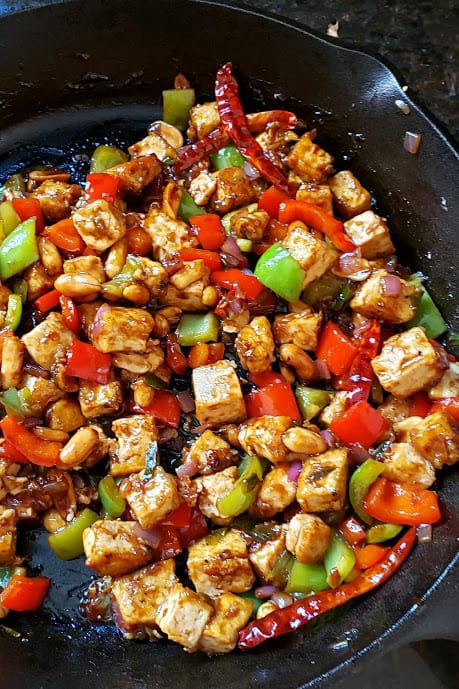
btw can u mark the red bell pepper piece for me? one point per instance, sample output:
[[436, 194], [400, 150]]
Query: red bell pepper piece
[[174, 355], [10, 454], [450, 405], [401, 503], [178, 518], [352, 531], [47, 301], [101, 185], [292, 617], [65, 236], [29, 208], [234, 278], [43, 453], [369, 555], [70, 313], [86, 362], [359, 378], [274, 397], [165, 408], [420, 405], [270, 201], [209, 230], [169, 543], [210, 258], [318, 219], [196, 529], [361, 424], [24, 593], [335, 349]]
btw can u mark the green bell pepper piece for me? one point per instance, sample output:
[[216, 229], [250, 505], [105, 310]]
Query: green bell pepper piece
[[306, 578], [382, 532], [228, 156], [361, 480], [20, 287], [67, 543], [325, 287], [338, 558], [104, 157], [427, 315], [280, 272], [9, 219], [15, 183], [12, 401], [196, 328], [187, 207], [155, 381], [13, 312], [244, 491], [112, 502], [311, 401], [244, 244], [116, 286], [177, 104], [19, 250]]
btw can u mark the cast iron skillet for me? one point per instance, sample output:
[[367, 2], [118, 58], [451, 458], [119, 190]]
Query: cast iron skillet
[[78, 73]]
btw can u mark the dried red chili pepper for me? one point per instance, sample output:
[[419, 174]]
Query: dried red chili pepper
[[303, 611], [359, 378], [233, 118]]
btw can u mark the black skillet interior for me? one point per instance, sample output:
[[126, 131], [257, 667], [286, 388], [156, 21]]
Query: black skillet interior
[[82, 73]]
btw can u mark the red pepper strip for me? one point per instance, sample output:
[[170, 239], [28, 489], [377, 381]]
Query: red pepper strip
[[369, 555], [233, 118], [303, 611], [233, 278], [9, 453], [209, 230], [165, 408], [43, 453], [24, 593], [210, 258], [65, 236], [169, 543], [174, 355], [86, 362], [359, 424], [179, 518], [274, 397], [318, 219], [450, 405], [29, 208], [70, 313], [352, 531], [401, 503], [335, 349], [271, 200], [47, 301], [101, 185], [420, 405]]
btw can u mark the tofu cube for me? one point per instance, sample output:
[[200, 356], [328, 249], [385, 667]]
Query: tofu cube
[[370, 233], [264, 554], [403, 462], [231, 613], [309, 161], [121, 329], [301, 328], [99, 224], [183, 615], [314, 255], [136, 174], [262, 436], [210, 453], [150, 498], [255, 346], [43, 393], [219, 563], [99, 400], [448, 385], [43, 341], [276, 493], [7, 536], [113, 548], [322, 483], [211, 489], [134, 436], [336, 407], [349, 197], [373, 300], [436, 439], [85, 264], [307, 538], [233, 191], [168, 235], [218, 394], [203, 119], [318, 194], [408, 362]]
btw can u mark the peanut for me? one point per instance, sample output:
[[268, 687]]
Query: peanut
[[50, 256], [51, 434], [77, 285], [304, 441], [173, 136], [137, 294], [295, 357], [116, 258], [209, 296], [143, 393], [162, 326], [80, 446]]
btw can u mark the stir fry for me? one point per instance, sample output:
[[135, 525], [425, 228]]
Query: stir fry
[[218, 383]]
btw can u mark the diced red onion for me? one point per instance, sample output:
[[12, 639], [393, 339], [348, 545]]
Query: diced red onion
[[151, 537], [186, 402], [328, 437], [361, 328], [32, 422], [294, 470], [282, 599], [322, 369], [424, 533], [351, 265], [357, 454], [36, 370], [232, 255], [250, 171], [265, 592], [187, 469], [199, 430], [411, 142], [391, 285], [236, 306]]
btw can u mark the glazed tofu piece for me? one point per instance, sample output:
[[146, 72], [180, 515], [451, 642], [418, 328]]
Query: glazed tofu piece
[[12, 360], [7, 536], [210, 453], [99, 224], [136, 174], [276, 493], [136, 597], [218, 394], [308, 537], [121, 329], [43, 341], [436, 439], [349, 197], [234, 190], [113, 548], [183, 615], [150, 497], [370, 233], [56, 199], [318, 194], [99, 399], [255, 346], [85, 264], [191, 272], [309, 161], [203, 118], [262, 436], [189, 299], [448, 385], [336, 407], [322, 483], [65, 415], [231, 613], [155, 144], [394, 409], [151, 274], [300, 328], [43, 393], [408, 362], [264, 554], [213, 487], [404, 463], [38, 281], [168, 235], [219, 563], [373, 298], [134, 436], [250, 224], [314, 255], [202, 188]]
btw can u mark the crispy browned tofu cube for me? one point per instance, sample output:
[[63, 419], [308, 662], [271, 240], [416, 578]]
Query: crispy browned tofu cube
[[150, 497], [65, 415], [372, 299], [99, 224], [300, 328], [56, 199], [314, 255], [121, 329], [234, 190], [203, 118], [262, 436], [213, 487], [45, 339], [370, 233], [99, 399], [436, 439], [276, 493], [7, 536], [136, 174], [264, 554], [308, 537], [210, 453], [218, 394], [153, 143], [349, 197], [168, 235], [448, 385], [322, 483], [309, 161], [183, 615], [318, 194], [134, 436], [403, 463], [112, 547], [231, 613], [255, 346]]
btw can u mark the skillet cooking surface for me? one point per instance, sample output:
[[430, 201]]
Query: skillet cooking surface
[[99, 79]]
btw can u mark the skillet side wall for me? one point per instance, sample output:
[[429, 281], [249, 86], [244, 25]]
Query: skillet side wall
[[350, 97]]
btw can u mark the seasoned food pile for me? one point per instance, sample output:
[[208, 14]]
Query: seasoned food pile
[[218, 383]]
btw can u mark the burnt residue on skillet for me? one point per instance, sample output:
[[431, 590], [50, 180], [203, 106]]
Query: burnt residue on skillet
[[89, 85]]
